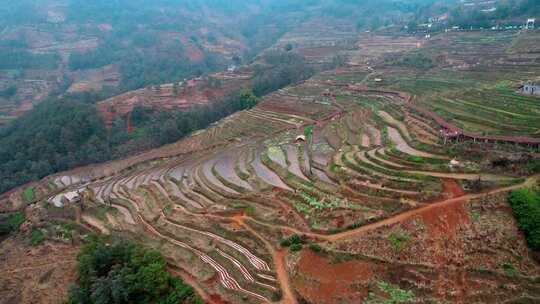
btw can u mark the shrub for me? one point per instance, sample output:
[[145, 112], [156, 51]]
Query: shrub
[[295, 247], [335, 168], [418, 60], [398, 241], [509, 269], [11, 223], [37, 237], [526, 209], [535, 166], [291, 240], [315, 247]]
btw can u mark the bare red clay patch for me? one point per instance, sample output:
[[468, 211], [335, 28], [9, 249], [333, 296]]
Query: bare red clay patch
[[192, 52], [238, 219], [443, 226], [330, 283], [451, 188], [216, 299]]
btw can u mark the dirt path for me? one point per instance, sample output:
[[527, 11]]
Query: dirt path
[[408, 214], [96, 224], [278, 256], [465, 176], [125, 212], [451, 188], [402, 216]]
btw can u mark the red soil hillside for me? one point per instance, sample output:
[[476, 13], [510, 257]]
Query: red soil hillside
[[183, 95]]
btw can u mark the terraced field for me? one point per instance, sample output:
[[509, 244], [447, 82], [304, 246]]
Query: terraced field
[[219, 213], [491, 111], [372, 184]]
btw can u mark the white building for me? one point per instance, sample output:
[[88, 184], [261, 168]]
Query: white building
[[72, 197], [530, 89], [530, 23]]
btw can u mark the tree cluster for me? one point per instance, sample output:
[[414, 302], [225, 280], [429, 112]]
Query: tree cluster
[[281, 68], [21, 59], [8, 92], [149, 61], [125, 272], [417, 61]]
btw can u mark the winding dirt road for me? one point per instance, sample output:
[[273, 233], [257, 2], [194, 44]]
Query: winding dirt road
[[278, 256], [402, 216]]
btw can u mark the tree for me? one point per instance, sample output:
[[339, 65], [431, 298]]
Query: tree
[[338, 61], [9, 92], [282, 69], [288, 47], [248, 99], [175, 89], [214, 82], [412, 26], [237, 60]]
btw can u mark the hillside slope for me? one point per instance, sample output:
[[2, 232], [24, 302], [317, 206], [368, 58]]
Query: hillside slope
[[379, 190]]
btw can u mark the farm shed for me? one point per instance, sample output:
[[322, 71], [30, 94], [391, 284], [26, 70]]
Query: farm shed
[[530, 89], [300, 138], [72, 197]]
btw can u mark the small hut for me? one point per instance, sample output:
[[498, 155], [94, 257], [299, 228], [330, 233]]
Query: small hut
[[72, 197], [530, 89]]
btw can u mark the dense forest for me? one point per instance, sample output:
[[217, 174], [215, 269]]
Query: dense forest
[[126, 272], [281, 69], [64, 133], [15, 59]]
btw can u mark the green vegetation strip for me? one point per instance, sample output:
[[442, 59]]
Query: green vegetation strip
[[526, 208]]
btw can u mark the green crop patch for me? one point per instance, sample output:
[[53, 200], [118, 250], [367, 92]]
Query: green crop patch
[[37, 237], [29, 195], [526, 208], [398, 241]]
